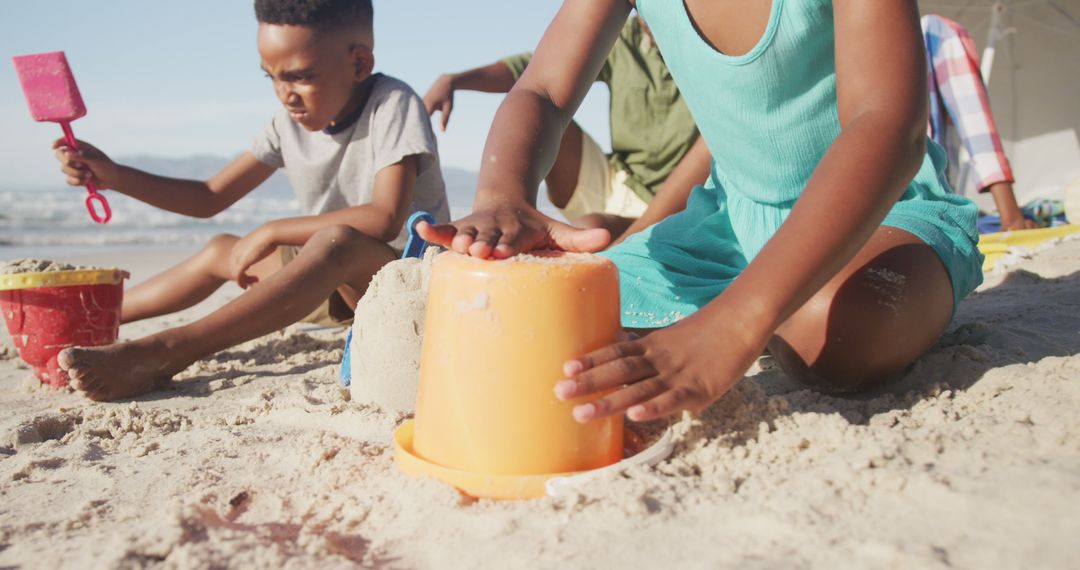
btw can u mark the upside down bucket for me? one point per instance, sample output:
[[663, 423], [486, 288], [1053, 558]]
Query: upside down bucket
[[496, 336], [50, 311]]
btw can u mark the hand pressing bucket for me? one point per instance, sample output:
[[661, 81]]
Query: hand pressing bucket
[[496, 336], [50, 311]]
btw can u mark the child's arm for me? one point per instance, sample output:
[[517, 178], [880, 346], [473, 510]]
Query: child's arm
[[493, 78], [1012, 218], [524, 139], [691, 171], [381, 219], [882, 104], [963, 94], [196, 198]]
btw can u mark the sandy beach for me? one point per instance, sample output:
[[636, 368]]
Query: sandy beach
[[255, 457]]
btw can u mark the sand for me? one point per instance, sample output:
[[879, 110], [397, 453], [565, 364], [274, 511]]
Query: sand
[[257, 458], [387, 334], [28, 265]]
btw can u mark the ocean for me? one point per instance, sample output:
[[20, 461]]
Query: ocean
[[52, 224], [45, 223]]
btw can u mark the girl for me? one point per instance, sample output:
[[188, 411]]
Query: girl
[[825, 231]]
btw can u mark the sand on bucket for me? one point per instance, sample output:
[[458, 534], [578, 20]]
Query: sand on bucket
[[30, 265]]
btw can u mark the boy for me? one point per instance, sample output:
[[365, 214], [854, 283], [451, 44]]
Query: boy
[[360, 154], [656, 158]]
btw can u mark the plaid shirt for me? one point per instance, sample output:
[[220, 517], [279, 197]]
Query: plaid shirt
[[958, 98]]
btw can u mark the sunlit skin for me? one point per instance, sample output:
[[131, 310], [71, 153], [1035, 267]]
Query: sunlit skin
[[813, 294], [319, 78]]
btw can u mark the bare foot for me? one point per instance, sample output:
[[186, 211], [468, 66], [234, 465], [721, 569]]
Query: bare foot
[[118, 371]]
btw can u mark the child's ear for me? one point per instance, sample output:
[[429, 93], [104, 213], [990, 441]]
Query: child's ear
[[363, 61]]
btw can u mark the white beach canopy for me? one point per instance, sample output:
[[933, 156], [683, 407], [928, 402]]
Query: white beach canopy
[[1031, 60]]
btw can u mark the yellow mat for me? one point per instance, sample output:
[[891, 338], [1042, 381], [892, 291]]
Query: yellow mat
[[996, 245]]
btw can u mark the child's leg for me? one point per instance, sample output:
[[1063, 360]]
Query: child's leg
[[872, 320], [337, 258], [187, 283], [582, 185], [563, 178]]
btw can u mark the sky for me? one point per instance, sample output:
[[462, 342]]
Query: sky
[[178, 79]]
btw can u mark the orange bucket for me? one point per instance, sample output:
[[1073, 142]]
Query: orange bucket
[[49, 311], [496, 336]]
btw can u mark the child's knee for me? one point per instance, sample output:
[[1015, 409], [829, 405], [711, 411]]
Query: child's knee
[[338, 240], [221, 244], [216, 252], [337, 233]]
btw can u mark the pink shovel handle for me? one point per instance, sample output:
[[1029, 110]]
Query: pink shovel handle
[[100, 200], [95, 199]]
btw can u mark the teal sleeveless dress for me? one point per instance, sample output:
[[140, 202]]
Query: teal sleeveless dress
[[768, 117]]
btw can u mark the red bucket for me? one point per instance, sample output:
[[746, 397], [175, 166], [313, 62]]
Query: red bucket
[[48, 312]]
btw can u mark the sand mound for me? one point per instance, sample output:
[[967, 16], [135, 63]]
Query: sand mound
[[386, 335]]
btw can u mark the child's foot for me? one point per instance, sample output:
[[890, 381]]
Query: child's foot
[[117, 371]]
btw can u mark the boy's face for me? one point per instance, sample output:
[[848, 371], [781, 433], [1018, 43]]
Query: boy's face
[[315, 76]]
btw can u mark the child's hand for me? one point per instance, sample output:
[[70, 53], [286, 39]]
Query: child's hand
[[686, 366], [1018, 223], [247, 252], [1012, 217], [503, 231], [441, 98], [85, 164]]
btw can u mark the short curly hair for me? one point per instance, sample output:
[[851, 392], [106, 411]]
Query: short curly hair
[[319, 15]]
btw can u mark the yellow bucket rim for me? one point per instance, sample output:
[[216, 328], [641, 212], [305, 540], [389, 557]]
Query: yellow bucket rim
[[62, 278], [484, 485]]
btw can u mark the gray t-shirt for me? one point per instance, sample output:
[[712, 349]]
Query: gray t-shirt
[[331, 172]]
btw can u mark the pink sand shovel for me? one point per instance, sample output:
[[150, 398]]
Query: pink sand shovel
[[53, 96]]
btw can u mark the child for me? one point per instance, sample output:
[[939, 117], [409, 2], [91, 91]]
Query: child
[[825, 232], [655, 147], [359, 152], [958, 100]]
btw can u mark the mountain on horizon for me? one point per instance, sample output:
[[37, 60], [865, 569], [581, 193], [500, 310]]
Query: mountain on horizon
[[460, 183]]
